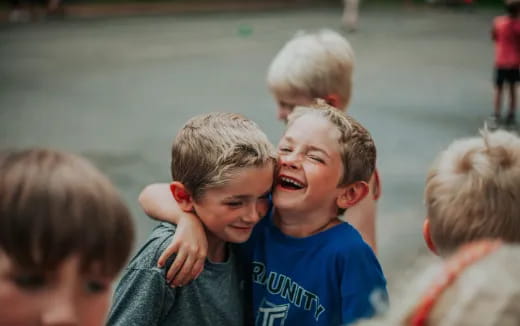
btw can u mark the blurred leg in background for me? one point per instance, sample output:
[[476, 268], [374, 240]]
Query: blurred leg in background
[[17, 12], [351, 14]]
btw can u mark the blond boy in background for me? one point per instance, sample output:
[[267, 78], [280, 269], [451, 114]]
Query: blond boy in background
[[65, 234], [309, 66]]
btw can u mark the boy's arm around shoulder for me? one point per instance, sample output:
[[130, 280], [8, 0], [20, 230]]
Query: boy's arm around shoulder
[[143, 297], [158, 203], [363, 284], [189, 242]]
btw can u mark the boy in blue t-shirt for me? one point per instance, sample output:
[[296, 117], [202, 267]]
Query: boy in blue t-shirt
[[307, 266]]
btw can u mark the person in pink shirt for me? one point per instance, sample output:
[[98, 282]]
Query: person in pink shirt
[[506, 35]]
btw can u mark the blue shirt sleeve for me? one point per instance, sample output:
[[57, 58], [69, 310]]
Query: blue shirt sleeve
[[362, 283]]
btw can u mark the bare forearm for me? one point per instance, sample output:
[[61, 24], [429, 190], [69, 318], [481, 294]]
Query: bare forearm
[[189, 242], [158, 203]]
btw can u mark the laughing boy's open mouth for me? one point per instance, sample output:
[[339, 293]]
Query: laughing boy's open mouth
[[290, 183]]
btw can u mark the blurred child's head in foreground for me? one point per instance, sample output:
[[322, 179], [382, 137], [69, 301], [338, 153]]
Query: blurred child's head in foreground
[[65, 234], [473, 192]]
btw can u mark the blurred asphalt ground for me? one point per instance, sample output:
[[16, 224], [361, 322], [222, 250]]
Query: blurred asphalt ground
[[117, 89]]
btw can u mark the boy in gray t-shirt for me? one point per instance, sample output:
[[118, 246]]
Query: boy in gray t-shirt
[[144, 298], [222, 167]]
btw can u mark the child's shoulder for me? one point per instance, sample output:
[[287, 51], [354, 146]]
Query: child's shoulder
[[353, 257], [345, 232], [151, 250], [347, 241], [502, 19]]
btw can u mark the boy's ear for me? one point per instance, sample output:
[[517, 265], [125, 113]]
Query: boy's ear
[[333, 100], [182, 196], [352, 194], [427, 236]]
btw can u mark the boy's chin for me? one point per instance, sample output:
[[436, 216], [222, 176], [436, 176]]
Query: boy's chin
[[284, 200], [238, 236]]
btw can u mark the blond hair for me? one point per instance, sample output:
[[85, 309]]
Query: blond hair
[[473, 191], [55, 204], [485, 293], [357, 148], [211, 147], [313, 64]]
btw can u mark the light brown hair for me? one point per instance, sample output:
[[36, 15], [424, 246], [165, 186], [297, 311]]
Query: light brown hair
[[211, 147], [357, 148], [473, 191], [55, 204]]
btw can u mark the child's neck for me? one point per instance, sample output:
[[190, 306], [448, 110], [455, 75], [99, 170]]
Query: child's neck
[[300, 225], [217, 248]]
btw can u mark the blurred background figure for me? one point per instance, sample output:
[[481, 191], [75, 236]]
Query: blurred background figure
[[453, 3], [55, 8], [506, 35], [17, 12], [350, 14], [29, 10]]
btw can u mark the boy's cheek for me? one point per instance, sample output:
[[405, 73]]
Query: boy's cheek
[[263, 208]]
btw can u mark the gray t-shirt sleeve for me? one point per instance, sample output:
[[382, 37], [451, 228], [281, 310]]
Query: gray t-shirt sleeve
[[142, 298]]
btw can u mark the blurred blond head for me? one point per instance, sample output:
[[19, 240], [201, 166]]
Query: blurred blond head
[[473, 192], [313, 65]]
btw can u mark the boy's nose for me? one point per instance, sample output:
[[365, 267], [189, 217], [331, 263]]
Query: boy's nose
[[61, 310], [291, 160], [255, 213]]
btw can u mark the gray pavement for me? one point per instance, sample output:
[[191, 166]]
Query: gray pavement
[[117, 90]]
